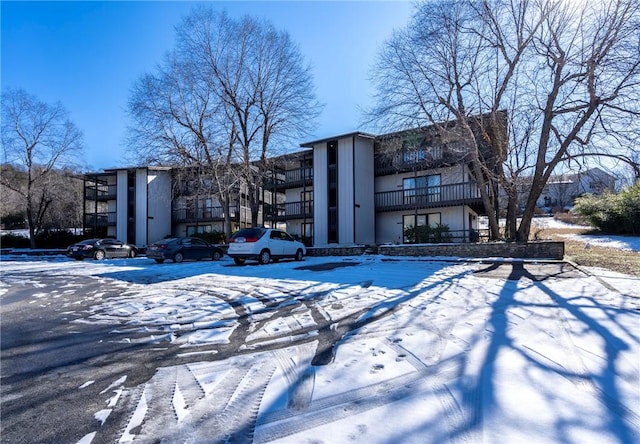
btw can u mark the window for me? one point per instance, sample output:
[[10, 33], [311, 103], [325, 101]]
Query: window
[[193, 229], [419, 220], [421, 189]]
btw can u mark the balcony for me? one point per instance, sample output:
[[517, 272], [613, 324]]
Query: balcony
[[206, 214], [289, 211], [430, 197], [101, 192], [295, 178], [399, 161], [100, 219]]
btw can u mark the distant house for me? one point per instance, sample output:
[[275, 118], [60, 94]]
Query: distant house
[[562, 190]]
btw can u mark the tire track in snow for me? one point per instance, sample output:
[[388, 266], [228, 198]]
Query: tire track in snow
[[175, 407], [284, 423]]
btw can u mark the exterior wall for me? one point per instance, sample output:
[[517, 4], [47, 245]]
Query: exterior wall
[[365, 232], [121, 205], [346, 204], [320, 202], [294, 227], [159, 206]]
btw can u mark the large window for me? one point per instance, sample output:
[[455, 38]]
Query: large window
[[421, 189], [193, 229], [418, 220]]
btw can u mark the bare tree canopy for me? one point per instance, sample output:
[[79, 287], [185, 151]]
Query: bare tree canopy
[[37, 138], [231, 93], [565, 73]]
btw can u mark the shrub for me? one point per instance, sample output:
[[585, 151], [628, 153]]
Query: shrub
[[612, 213], [44, 239], [56, 239], [11, 240], [426, 234]]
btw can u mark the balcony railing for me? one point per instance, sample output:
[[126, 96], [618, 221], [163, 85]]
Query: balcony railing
[[206, 214], [294, 178], [102, 192], [399, 161], [289, 211], [100, 219], [429, 197]]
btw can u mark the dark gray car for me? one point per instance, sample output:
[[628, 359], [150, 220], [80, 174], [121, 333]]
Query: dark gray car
[[101, 249], [178, 249]]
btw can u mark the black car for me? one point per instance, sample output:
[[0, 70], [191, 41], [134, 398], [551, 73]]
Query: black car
[[100, 249], [180, 248]]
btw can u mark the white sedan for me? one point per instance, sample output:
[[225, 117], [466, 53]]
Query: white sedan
[[263, 245]]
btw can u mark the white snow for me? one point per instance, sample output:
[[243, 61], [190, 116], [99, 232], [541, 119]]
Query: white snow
[[426, 351]]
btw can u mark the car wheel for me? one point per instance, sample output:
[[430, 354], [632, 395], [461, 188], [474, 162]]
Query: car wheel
[[132, 253], [238, 260], [265, 257], [99, 255], [159, 261], [299, 255], [216, 256], [179, 257]]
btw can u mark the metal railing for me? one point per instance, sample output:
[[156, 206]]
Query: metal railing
[[293, 178], [206, 214], [428, 197], [402, 161], [289, 210], [100, 219], [101, 192], [453, 236]]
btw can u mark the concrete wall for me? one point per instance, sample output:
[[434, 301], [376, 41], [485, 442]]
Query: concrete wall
[[364, 200], [346, 222], [531, 250], [159, 206]]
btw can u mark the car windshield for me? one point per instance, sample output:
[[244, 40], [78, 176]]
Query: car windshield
[[255, 233]]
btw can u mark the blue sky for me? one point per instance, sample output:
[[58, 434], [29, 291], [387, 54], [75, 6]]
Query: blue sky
[[88, 54]]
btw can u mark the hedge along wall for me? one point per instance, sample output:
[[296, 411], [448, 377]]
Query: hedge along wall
[[529, 250]]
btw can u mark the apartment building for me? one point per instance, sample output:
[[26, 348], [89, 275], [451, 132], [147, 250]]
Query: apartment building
[[141, 205], [350, 189], [358, 188], [131, 204]]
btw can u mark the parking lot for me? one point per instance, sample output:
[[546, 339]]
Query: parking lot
[[365, 348]]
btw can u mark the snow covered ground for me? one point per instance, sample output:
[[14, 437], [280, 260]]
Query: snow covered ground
[[629, 243], [370, 349]]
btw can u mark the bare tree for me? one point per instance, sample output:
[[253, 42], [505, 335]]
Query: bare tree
[[230, 93], [37, 138], [565, 73]]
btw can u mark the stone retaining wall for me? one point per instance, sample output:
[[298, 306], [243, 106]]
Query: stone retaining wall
[[530, 250]]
